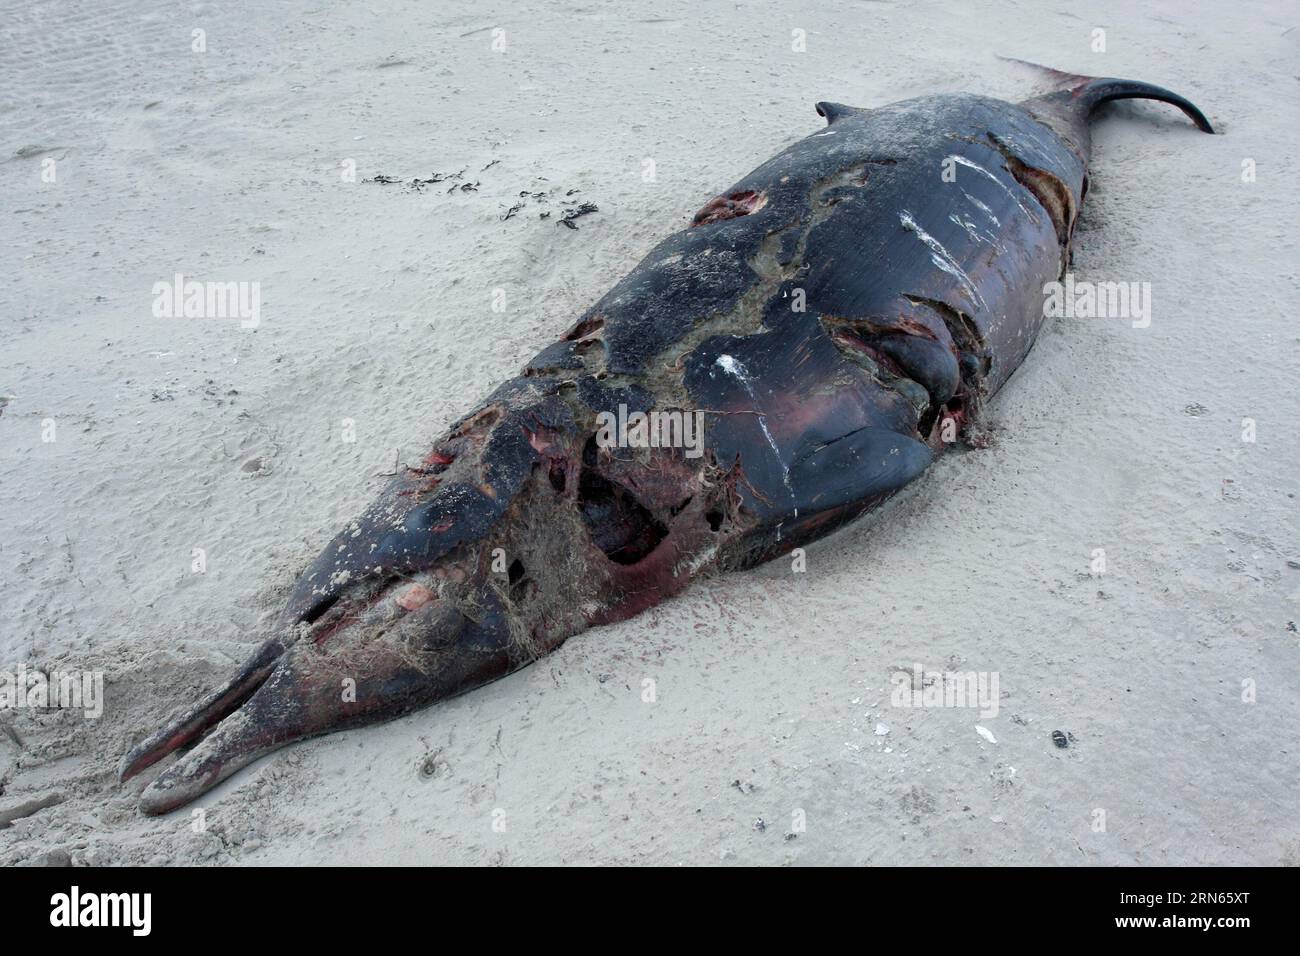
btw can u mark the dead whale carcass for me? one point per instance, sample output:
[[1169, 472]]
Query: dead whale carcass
[[834, 319]]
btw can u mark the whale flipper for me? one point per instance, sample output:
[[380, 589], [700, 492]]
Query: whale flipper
[[867, 465]]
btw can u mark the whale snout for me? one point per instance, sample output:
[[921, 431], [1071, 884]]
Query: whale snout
[[364, 662]]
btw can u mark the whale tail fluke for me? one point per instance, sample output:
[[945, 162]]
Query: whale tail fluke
[[1074, 98], [1099, 90]]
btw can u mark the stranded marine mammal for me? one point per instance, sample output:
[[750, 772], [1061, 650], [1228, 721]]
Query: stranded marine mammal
[[838, 316]]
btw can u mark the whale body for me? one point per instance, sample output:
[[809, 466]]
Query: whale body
[[788, 361]]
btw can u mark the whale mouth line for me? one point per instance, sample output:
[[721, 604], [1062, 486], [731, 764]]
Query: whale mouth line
[[195, 725]]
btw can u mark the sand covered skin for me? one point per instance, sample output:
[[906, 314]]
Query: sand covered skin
[[197, 464]]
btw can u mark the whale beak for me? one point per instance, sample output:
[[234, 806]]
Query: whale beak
[[364, 662]]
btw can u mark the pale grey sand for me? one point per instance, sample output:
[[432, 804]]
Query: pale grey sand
[[771, 689]]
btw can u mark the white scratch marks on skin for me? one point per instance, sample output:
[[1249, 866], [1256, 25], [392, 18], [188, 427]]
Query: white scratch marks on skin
[[981, 207], [737, 369], [729, 365], [941, 257], [970, 164], [974, 232], [968, 226]]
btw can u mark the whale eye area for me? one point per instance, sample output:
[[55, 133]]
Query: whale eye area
[[736, 204], [618, 524]]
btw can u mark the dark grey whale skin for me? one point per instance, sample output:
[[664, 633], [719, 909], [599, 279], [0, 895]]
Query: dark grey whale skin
[[838, 316]]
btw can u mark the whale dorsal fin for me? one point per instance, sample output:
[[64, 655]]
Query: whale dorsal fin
[[836, 111]]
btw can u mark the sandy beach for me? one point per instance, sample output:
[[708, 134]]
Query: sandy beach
[[166, 478]]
